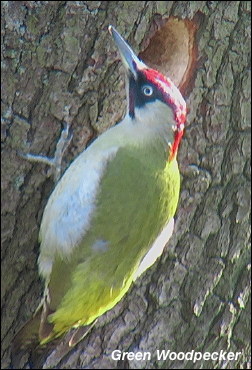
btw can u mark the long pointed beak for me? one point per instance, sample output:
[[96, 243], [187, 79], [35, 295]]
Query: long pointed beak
[[129, 58]]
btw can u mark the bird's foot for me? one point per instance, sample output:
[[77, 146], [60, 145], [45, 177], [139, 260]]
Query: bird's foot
[[80, 333], [55, 162]]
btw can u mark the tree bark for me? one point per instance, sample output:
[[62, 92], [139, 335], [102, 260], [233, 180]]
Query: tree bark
[[197, 296]]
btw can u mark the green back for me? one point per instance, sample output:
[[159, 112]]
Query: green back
[[138, 195]]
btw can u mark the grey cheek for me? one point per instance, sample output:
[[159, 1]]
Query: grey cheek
[[100, 245]]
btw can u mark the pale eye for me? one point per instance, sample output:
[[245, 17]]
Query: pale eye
[[147, 90]]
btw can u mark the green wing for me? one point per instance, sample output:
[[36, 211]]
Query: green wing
[[138, 194]]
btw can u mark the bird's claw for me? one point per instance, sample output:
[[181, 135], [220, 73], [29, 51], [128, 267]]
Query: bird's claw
[[55, 162]]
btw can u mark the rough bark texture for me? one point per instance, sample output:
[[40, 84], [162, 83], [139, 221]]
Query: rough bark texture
[[58, 54]]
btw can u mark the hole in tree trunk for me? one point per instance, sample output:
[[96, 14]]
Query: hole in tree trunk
[[172, 50]]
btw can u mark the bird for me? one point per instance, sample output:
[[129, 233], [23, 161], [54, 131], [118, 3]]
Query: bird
[[112, 212]]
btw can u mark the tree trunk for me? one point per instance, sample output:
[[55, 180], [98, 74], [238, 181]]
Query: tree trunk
[[196, 297]]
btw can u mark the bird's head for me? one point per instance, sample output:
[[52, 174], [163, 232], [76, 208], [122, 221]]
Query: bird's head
[[152, 97]]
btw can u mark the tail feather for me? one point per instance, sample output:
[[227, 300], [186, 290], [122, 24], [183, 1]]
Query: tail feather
[[34, 336], [35, 330], [28, 335], [28, 339], [45, 328]]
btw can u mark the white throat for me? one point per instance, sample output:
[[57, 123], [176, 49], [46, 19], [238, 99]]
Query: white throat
[[157, 118]]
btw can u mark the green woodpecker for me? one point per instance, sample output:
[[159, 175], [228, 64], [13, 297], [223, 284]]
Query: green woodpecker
[[111, 214]]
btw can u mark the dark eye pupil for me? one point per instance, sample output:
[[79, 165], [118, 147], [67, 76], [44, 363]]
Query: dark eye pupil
[[147, 90]]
